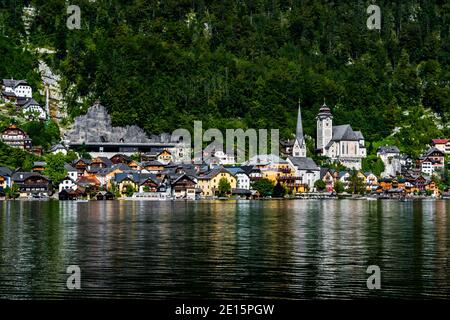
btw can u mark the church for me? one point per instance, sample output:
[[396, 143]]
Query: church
[[339, 143]]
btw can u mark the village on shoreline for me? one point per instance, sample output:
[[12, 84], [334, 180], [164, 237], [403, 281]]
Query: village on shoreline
[[96, 161]]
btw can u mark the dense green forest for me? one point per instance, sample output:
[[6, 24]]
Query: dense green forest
[[245, 63]]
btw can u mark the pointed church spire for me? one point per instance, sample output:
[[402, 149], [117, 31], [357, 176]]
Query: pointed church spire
[[299, 130]]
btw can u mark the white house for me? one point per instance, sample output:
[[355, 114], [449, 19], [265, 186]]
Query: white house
[[32, 109], [20, 88], [58, 148], [242, 178], [72, 173], [67, 183], [339, 143], [306, 169]]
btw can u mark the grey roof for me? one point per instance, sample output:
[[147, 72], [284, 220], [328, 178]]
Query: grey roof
[[105, 161], [431, 150], [152, 163], [388, 149], [14, 83], [57, 147], [323, 172], [345, 132], [304, 163], [119, 177], [69, 168], [22, 176], [30, 102], [5, 171], [87, 161], [235, 170], [39, 164]]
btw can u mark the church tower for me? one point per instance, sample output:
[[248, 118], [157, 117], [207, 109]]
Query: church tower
[[324, 127], [299, 148]]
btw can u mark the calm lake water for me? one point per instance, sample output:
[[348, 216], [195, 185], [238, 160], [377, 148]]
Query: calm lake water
[[299, 249]]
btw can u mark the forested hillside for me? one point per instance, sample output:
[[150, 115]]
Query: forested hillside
[[163, 64]]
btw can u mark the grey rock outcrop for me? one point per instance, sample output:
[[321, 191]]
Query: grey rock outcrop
[[96, 126]]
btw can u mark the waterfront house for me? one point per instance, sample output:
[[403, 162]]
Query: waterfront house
[[127, 181], [306, 170], [89, 183], [327, 176], [242, 178], [184, 187], [104, 195], [69, 194], [208, 182], [32, 184], [371, 181], [148, 183], [16, 138], [67, 184], [5, 177]]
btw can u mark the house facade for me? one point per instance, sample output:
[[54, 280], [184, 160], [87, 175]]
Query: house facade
[[16, 138]]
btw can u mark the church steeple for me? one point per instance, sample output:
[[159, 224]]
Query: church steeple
[[299, 131], [299, 149]]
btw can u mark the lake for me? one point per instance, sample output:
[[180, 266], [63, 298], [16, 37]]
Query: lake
[[282, 249]]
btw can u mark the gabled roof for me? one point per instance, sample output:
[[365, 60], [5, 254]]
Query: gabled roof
[[152, 163], [432, 150], [14, 83], [30, 102], [345, 132], [104, 160], [388, 149], [5, 171], [87, 161], [69, 168], [87, 180], [304, 163], [119, 177], [22, 176], [57, 147], [214, 172], [235, 170]]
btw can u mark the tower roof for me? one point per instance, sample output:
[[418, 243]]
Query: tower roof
[[299, 129], [325, 111]]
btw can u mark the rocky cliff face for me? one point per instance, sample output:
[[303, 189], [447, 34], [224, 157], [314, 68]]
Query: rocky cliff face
[[95, 126]]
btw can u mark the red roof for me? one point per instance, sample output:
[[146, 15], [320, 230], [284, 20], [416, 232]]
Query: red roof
[[440, 141]]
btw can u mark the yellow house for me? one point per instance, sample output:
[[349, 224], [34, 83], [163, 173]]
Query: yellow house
[[209, 183], [277, 171]]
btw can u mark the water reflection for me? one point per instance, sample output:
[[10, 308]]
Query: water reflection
[[245, 249]]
